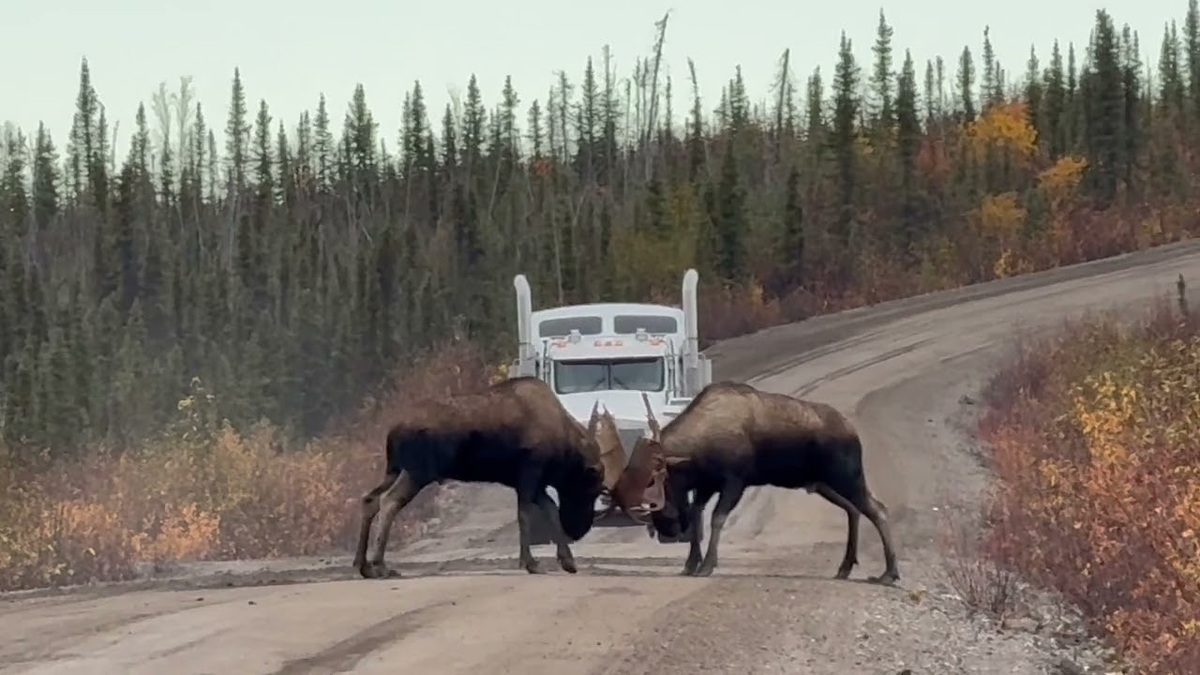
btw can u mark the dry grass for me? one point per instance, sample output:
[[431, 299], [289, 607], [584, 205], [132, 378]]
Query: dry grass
[[1093, 436], [981, 582]]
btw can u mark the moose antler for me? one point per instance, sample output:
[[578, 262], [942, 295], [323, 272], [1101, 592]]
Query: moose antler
[[654, 428], [605, 415], [595, 419]]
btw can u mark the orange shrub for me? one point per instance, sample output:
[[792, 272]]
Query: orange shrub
[[1093, 437]]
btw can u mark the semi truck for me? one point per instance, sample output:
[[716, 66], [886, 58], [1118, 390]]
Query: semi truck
[[614, 353]]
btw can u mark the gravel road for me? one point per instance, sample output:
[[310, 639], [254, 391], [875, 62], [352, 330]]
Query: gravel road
[[900, 369]]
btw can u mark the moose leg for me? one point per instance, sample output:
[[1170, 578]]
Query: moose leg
[[527, 495], [565, 559], [731, 494], [853, 515], [695, 519], [876, 512], [370, 507], [396, 497]]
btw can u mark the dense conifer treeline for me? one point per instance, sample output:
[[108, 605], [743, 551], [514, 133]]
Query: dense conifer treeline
[[290, 269]]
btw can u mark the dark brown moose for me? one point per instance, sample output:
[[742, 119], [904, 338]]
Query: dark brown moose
[[515, 433], [733, 436]]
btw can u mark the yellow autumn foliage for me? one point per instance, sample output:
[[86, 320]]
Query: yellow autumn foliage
[[1003, 127], [1060, 181], [1011, 264], [1100, 494], [1000, 219], [1001, 216]]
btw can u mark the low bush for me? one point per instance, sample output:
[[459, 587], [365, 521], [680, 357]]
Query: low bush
[[1093, 435]]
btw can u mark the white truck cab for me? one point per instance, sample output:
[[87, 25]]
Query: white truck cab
[[614, 353]]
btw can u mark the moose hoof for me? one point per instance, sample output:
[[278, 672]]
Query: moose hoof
[[885, 579], [842, 573], [376, 570], [704, 570], [533, 567], [568, 565]]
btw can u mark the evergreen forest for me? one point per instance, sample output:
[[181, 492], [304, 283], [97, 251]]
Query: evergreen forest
[[294, 267]]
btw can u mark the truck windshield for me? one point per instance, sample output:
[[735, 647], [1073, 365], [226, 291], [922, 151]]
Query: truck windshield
[[573, 377]]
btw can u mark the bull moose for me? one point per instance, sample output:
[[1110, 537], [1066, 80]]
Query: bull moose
[[733, 436], [515, 433]]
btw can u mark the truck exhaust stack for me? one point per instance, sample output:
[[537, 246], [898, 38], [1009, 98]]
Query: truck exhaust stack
[[691, 348], [525, 348]]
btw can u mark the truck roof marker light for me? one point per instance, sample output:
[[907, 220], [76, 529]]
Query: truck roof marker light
[[574, 338]]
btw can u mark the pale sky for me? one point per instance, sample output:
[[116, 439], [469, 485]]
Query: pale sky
[[290, 52]]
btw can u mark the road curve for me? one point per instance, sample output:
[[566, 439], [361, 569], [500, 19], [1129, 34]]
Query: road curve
[[462, 605]]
